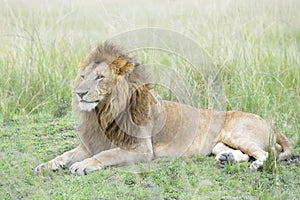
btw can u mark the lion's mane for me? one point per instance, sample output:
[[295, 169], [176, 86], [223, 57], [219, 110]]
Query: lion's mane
[[127, 107]]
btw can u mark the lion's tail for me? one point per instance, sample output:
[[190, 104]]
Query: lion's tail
[[285, 144]]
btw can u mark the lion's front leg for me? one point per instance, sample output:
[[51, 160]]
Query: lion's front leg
[[78, 154], [110, 157]]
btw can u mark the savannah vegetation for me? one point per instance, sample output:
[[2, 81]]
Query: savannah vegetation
[[254, 45]]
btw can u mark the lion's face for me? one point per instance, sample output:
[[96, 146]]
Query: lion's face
[[94, 85]]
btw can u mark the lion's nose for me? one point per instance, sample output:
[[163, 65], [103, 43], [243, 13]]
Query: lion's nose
[[81, 94]]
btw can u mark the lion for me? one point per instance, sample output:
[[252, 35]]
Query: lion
[[123, 121]]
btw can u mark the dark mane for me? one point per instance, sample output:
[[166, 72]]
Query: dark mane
[[129, 106]]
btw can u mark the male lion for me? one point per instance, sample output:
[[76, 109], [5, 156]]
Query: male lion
[[123, 121]]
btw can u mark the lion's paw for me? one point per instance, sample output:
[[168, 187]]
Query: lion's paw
[[86, 166], [54, 165], [225, 158], [40, 168], [257, 165]]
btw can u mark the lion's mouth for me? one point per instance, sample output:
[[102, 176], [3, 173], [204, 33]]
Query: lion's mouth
[[85, 101], [85, 105]]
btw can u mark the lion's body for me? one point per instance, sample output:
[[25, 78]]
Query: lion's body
[[122, 121], [190, 131]]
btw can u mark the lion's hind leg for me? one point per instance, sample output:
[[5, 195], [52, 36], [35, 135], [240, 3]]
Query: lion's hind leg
[[247, 146], [225, 154]]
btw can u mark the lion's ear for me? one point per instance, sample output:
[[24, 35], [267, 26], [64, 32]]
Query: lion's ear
[[83, 63], [121, 66]]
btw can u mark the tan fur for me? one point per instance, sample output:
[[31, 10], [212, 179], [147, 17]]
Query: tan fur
[[122, 121]]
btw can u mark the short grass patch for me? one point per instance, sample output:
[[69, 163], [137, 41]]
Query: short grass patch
[[27, 141]]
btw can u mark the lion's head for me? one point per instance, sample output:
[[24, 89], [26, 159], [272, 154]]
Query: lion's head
[[101, 75], [116, 87]]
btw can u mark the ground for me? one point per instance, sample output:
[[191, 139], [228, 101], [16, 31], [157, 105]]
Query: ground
[[25, 142]]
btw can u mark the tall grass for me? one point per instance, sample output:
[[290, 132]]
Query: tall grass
[[255, 45], [36, 70]]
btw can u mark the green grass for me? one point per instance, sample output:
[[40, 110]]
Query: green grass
[[254, 44], [27, 142]]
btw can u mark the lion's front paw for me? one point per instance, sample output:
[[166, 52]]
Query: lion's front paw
[[86, 166], [225, 158], [40, 168], [54, 165]]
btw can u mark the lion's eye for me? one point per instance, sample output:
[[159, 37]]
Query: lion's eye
[[82, 77], [99, 77]]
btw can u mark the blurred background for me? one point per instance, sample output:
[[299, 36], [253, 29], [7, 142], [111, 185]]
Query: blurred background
[[254, 44]]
